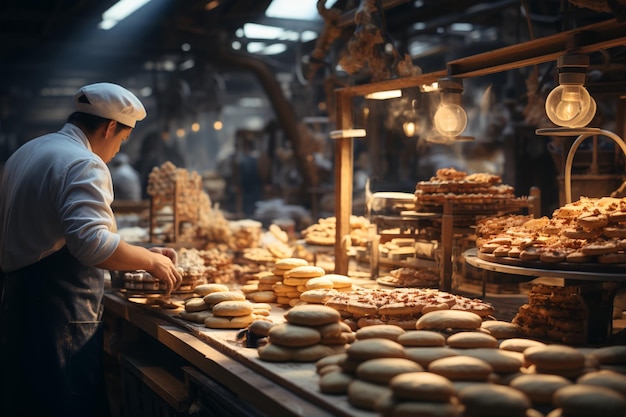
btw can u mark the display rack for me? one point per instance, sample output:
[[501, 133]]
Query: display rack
[[169, 211], [451, 220], [597, 289]]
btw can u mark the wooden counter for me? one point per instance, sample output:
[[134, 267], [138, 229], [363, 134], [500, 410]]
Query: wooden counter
[[271, 389]]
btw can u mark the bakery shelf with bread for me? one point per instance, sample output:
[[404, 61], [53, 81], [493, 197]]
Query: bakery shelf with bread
[[470, 193], [587, 234], [175, 200], [441, 225]]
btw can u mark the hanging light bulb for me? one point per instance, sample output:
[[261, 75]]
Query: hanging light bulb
[[450, 119], [569, 104], [413, 122]]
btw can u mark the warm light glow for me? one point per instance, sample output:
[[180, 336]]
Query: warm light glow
[[119, 11], [413, 122], [570, 106], [450, 120], [409, 129], [384, 95], [180, 132], [217, 125], [195, 127], [211, 5]]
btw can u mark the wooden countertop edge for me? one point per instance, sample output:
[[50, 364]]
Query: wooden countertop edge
[[250, 386]]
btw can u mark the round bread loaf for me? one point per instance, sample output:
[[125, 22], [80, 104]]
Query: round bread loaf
[[554, 358], [363, 394], [519, 344], [307, 271], [501, 361], [334, 359], [290, 263], [501, 329], [276, 353], [461, 368], [240, 322], [615, 354], [319, 283], [217, 297], [448, 319], [382, 370], [312, 315], [385, 331], [421, 338], [588, 401], [297, 283], [269, 278], [425, 409], [291, 335], [539, 388], [491, 400], [196, 316], [261, 327], [339, 281], [331, 329], [467, 340], [422, 386], [204, 289], [362, 350], [196, 304], [425, 355], [335, 382], [605, 378], [319, 296], [262, 296], [311, 353], [233, 308], [329, 368]]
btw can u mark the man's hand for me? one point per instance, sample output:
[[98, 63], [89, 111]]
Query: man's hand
[[164, 268], [169, 252]]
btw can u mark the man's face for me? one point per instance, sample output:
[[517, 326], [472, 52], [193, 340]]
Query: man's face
[[108, 141]]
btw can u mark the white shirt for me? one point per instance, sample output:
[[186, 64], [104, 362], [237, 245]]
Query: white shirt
[[55, 191]]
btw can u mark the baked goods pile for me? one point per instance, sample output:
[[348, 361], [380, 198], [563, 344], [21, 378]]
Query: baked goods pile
[[323, 232], [556, 314], [397, 249], [458, 186], [310, 332], [465, 370], [403, 307], [410, 277], [218, 307], [292, 281], [169, 184], [590, 230], [141, 281]]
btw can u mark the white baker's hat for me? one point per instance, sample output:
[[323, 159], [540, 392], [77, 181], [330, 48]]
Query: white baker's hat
[[110, 101]]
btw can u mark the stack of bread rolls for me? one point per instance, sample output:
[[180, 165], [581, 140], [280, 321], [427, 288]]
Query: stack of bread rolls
[[218, 307], [309, 333]]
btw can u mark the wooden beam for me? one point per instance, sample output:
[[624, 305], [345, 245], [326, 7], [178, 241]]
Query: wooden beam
[[607, 34]]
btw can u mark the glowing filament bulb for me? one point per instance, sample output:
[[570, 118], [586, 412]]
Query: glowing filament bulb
[[450, 120], [570, 105]]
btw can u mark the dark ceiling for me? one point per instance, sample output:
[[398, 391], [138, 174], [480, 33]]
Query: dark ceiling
[[56, 43]]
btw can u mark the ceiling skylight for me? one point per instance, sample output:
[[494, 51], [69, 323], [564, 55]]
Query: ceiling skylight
[[119, 11], [295, 9]]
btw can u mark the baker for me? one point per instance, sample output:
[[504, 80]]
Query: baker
[[57, 235]]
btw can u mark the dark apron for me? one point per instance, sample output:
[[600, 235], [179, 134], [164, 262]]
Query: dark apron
[[51, 347]]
